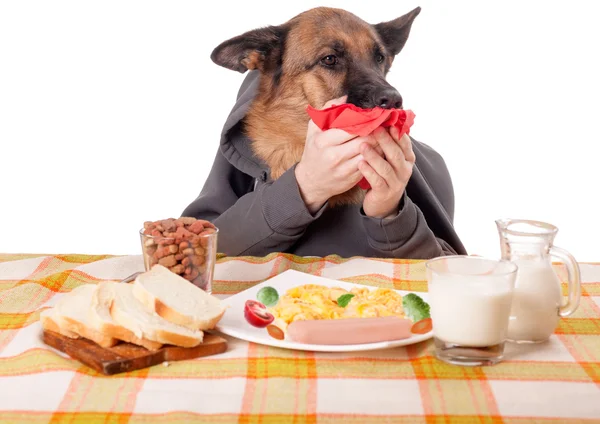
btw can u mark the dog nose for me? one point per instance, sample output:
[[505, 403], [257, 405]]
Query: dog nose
[[389, 99]]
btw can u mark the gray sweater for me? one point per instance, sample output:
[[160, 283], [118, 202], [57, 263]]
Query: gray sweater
[[257, 216]]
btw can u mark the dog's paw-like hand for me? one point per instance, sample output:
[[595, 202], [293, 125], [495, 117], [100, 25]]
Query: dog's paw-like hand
[[388, 174]]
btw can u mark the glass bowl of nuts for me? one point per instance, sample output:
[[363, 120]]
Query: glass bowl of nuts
[[187, 246]]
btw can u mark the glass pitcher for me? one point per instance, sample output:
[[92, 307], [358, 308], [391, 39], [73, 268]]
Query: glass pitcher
[[537, 303]]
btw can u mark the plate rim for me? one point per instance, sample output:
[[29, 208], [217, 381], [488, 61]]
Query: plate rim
[[232, 332]]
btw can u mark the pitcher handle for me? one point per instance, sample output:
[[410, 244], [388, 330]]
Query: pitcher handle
[[574, 281]]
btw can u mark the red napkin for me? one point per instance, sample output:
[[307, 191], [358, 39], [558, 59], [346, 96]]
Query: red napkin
[[361, 122]]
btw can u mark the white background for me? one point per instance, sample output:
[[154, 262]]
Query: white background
[[110, 112]]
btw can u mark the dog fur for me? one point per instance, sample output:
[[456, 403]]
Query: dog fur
[[293, 59]]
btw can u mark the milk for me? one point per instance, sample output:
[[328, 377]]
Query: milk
[[470, 313], [536, 301]]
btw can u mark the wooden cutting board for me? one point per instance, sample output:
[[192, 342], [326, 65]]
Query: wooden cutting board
[[129, 357]]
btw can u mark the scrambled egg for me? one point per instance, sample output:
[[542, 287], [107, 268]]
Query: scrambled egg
[[312, 301]]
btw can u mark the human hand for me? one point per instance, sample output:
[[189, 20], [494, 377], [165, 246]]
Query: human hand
[[329, 164], [387, 174]]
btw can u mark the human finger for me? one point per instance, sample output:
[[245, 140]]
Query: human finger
[[352, 147], [391, 149], [375, 180], [379, 164], [407, 148]]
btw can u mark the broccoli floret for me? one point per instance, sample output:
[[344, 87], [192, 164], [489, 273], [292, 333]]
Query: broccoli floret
[[415, 308]]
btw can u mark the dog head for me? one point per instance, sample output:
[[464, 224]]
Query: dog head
[[320, 55]]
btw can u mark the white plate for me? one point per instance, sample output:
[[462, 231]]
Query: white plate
[[234, 324]]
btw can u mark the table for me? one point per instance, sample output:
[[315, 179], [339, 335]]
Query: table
[[558, 381]]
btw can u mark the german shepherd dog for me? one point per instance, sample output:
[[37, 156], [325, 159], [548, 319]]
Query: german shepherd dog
[[319, 55]]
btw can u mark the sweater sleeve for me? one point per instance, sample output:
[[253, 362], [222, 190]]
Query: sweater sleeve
[[252, 222], [405, 235]]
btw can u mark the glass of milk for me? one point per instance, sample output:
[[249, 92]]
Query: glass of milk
[[470, 300]]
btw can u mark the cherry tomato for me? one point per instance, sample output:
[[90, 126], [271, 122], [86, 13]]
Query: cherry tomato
[[422, 327], [256, 314]]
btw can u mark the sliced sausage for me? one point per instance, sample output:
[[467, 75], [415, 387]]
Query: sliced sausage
[[349, 330]]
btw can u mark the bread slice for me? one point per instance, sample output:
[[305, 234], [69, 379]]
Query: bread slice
[[130, 313], [52, 321], [71, 315], [177, 300], [102, 321]]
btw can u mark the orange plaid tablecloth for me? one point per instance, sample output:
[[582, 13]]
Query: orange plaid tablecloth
[[554, 382]]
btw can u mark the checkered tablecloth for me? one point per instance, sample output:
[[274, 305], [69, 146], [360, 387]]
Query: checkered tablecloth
[[554, 382]]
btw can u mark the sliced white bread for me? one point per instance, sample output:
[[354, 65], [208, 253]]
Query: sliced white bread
[[177, 300], [72, 310], [102, 321], [144, 323], [52, 321]]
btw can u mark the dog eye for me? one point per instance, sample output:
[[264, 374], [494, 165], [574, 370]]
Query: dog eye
[[329, 60], [379, 58]]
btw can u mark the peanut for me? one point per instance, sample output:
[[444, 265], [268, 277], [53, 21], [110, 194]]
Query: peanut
[[194, 274], [186, 261], [149, 242], [156, 233], [179, 256], [173, 248], [199, 251], [148, 224], [188, 270], [177, 269], [165, 241], [150, 250], [152, 261], [183, 245], [162, 251], [188, 251], [202, 267], [168, 261], [198, 260], [195, 241], [205, 240]]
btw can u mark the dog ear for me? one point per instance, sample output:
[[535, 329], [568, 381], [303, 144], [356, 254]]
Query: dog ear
[[395, 33], [251, 50]]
